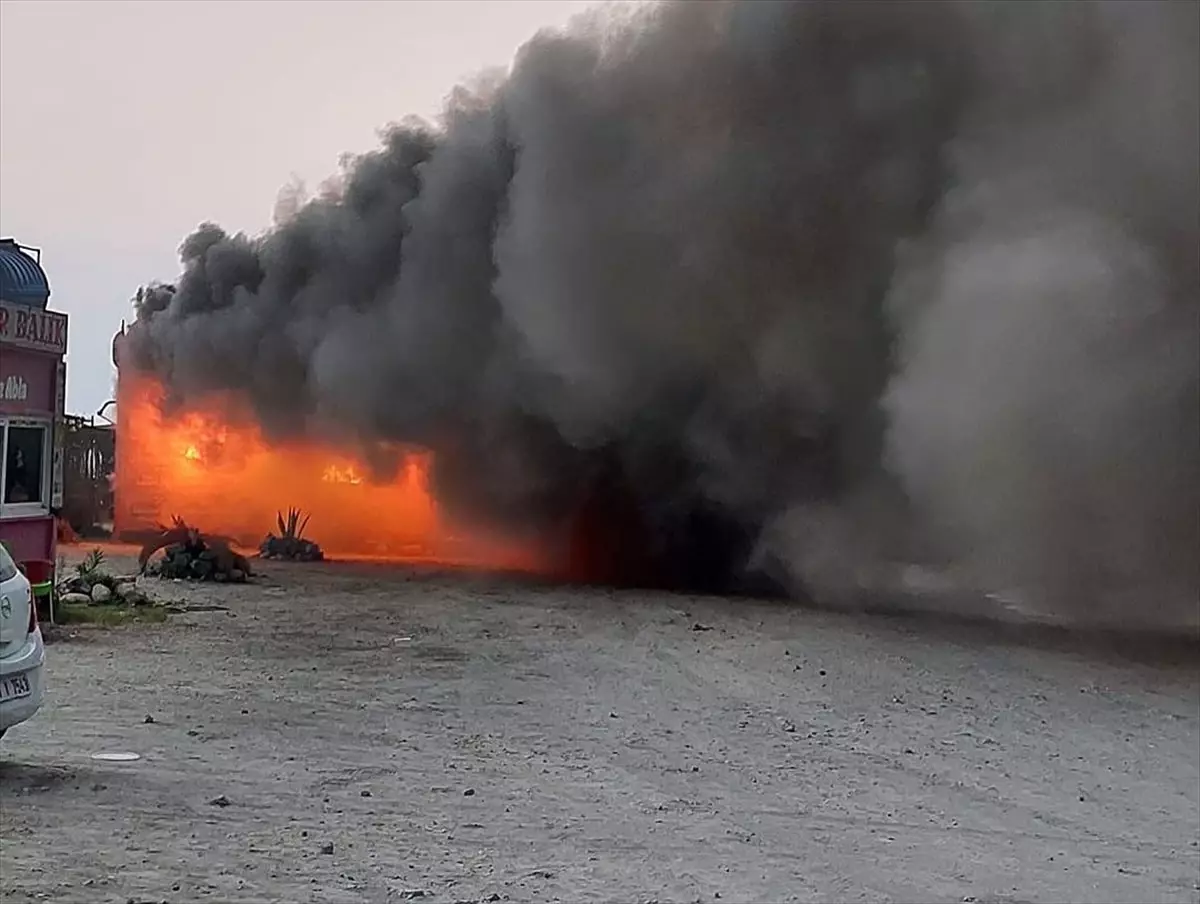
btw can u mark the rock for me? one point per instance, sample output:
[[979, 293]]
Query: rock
[[219, 801], [132, 594], [75, 599], [149, 720], [101, 594], [327, 848], [75, 585], [470, 792], [237, 575]]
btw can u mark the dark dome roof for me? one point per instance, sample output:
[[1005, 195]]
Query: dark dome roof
[[22, 279]]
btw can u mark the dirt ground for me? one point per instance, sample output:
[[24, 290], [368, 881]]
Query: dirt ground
[[356, 733]]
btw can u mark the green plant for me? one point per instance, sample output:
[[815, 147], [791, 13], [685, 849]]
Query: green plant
[[292, 528], [89, 568], [179, 532]]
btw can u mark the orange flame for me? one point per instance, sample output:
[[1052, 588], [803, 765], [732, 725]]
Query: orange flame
[[227, 479], [334, 474]]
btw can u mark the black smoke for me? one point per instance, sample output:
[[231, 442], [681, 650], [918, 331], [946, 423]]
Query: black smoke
[[707, 292]]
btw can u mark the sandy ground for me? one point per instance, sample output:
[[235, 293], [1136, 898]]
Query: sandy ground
[[367, 734]]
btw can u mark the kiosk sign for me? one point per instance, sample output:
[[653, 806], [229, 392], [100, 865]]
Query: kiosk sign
[[14, 389], [33, 328]]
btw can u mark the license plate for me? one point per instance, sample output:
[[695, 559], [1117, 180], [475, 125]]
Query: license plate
[[14, 688]]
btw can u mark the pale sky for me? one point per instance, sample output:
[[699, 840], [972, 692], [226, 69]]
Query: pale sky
[[123, 125]]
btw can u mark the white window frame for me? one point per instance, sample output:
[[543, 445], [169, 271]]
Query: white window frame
[[27, 509]]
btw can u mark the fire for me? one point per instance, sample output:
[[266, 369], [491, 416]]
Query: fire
[[334, 474], [227, 479]]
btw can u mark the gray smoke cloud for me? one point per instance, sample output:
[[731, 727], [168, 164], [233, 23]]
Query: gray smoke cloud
[[809, 289]]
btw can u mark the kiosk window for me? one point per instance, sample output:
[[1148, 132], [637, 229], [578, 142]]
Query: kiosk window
[[24, 465]]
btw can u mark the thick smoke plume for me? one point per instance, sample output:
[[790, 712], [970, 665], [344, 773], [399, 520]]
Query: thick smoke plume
[[797, 290]]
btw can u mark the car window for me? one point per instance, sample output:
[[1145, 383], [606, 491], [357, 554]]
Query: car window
[[8, 568]]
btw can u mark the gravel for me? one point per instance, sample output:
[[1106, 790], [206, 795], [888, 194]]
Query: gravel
[[355, 733]]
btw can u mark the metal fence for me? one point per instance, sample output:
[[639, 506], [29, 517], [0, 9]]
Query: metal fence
[[89, 462]]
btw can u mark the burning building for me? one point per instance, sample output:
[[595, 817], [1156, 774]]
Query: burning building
[[712, 289], [213, 466]]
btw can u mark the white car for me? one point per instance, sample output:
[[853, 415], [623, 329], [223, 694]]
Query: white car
[[22, 654]]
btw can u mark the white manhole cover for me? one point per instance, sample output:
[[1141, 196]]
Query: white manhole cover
[[117, 757]]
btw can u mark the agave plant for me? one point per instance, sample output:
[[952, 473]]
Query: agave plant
[[179, 532], [292, 528], [290, 543]]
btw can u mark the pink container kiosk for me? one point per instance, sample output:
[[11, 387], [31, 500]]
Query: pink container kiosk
[[33, 342]]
